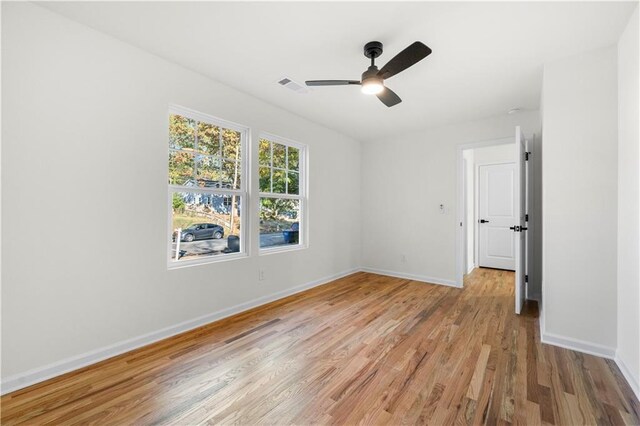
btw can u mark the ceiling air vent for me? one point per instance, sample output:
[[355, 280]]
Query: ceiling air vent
[[292, 85]]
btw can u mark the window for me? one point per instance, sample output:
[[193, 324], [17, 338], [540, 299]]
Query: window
[[206, 187], [281, 170]]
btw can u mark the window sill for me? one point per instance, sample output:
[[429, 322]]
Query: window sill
[[281, 249], [172, 264]]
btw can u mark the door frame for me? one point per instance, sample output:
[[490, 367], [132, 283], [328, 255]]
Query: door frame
[[461, 226]]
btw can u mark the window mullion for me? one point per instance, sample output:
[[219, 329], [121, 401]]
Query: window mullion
[[195, 152], [283, 196], [286, 172], [219, 191], [220, 130]]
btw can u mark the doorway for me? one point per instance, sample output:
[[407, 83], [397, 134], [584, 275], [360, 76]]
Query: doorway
[[492, 193]]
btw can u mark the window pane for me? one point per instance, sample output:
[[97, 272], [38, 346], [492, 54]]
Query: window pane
[[231, 144], [279, 222], [265, 179], [279, 156], [293, 158], [208, 171], [208, 138], [204, 225], [279, 182], [182, 134], [264, 152], [180, 167], [293, 183], [230, 174]]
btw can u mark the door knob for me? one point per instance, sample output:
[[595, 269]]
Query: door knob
[[483, 221]]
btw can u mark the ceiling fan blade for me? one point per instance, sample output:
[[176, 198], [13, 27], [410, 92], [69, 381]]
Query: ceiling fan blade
[[389, 97], [331, 82], [416, 52]]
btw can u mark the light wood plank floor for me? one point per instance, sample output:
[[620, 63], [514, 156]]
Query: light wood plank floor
[[365, 348]]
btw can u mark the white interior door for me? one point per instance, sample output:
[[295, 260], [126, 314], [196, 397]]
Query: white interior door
[[520, 225], [497, 185]]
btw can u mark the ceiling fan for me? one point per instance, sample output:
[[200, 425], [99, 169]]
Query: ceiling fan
[[372, 80]]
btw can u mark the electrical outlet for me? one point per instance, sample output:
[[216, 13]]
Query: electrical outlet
[[261, 275]]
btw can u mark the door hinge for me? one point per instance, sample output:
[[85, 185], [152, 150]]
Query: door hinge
[[526, 155], [526, 278], [526, 217]]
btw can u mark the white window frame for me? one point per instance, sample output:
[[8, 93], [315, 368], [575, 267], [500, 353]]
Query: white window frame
[[303, 194], [245, 136]]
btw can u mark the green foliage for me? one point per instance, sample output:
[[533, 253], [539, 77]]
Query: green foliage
[[279, 182], [208, 168], [265, 179], [293, 183], [279, 168], [231, 144], [181, 166], [293, 158], [230, 173], [264, 152], [203, 152], [279, 210], [279, 156], [182, 133], [178, 203], [208, 139]]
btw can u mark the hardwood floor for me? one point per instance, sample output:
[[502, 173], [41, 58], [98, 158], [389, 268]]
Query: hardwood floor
[[365, 348]]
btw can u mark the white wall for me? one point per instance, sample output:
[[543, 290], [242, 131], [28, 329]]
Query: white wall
[[579, 164], [404, 180], [628, 353], [84, 171]]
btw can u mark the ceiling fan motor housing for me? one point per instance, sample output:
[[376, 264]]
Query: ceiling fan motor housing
[[373, 49]]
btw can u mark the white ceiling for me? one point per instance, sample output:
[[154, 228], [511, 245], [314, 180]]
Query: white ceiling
[[487, 56]]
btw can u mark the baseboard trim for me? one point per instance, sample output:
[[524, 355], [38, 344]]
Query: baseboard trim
[[633, 381], [578, 345], [589, 348], [37, 375], [430, 280]]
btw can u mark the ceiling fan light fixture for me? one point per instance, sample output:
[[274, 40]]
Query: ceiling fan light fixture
[[372, 87], [371, 81]]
